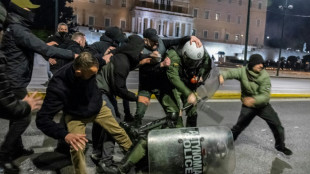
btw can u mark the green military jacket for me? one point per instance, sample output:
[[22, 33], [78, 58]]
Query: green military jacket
[[175, 71], [252, 84]]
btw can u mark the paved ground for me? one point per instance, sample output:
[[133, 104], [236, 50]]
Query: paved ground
[[254, 149]]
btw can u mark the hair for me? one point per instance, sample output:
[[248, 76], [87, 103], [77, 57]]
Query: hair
[[77, 35], [85, 61], [61, 24]]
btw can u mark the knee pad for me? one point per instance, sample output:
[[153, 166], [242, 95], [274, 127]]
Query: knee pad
[[172, 119], [173, 116]]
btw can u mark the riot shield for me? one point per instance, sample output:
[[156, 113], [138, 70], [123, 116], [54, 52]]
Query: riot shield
[[211, 83], [205, 150]]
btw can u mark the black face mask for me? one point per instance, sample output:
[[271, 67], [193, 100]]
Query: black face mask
[[62, 34]]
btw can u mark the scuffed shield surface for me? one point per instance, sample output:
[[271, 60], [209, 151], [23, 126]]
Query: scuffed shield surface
[[207, 150]]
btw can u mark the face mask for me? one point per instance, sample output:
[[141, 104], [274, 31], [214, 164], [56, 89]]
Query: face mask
[[62, 34]]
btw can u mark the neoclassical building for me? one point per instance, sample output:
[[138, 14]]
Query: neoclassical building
[[210, 20]]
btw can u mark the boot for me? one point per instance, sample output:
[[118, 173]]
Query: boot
[[125, 168], [106, 168], [284, 150]]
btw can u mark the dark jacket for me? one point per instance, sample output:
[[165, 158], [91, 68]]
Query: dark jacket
[[58, 38], [10, 107], [152, 76], [100, 47], [76, 97], [112, 77], [68, 45], [19, 46]]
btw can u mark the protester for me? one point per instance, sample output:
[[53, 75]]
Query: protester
[[255, 96], [74, 90], [19, 46], [10, 107], [152, 76]]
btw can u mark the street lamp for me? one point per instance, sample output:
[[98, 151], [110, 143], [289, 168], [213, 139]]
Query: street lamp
[[281, 44]]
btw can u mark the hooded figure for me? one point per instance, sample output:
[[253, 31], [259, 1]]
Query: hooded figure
[[112, 78]]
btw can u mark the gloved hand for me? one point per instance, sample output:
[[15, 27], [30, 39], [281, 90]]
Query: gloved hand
[[192, 99]]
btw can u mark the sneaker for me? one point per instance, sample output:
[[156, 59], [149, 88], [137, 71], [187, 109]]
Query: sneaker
[[23, 152], [284, 150]]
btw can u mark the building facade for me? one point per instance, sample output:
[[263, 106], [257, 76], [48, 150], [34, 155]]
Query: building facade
[[210, 20]]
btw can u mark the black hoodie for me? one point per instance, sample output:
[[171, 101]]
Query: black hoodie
[[112, 77]]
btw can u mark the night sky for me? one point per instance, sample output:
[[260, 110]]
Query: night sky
[[296, 24]]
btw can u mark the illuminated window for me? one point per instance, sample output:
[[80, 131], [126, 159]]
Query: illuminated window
[[217, 16], [237, 37]]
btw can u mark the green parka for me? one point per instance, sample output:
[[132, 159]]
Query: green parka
[[176, 72], [256, 85]]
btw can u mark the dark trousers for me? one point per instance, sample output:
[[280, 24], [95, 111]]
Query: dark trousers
[[103, 142], [268, 114], [13, 140]]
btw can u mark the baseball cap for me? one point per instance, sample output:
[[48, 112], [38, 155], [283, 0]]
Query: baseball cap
[[25, 4], [151, 34]]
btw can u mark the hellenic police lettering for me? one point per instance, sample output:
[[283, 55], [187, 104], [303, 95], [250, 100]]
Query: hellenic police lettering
[[192, 153]]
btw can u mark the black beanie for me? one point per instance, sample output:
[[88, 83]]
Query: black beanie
[[254, 60]]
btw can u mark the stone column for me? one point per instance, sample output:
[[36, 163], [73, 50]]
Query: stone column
[[161, 27], [180, 29], [190, 29], [168, 28], [186, 30], [148, 22], [173, 28], [142, 25], [133, 24]]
